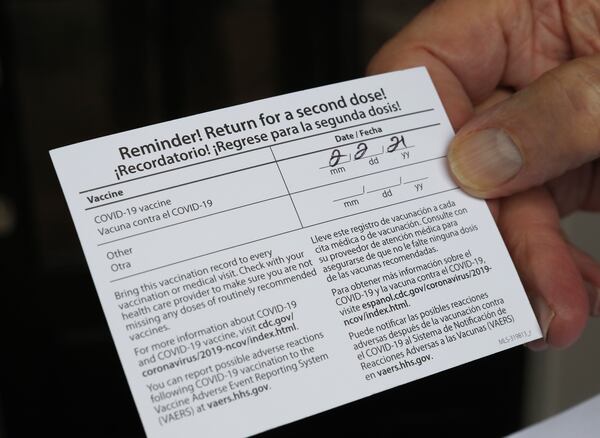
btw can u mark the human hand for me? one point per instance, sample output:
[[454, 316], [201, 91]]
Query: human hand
[[520, 81]]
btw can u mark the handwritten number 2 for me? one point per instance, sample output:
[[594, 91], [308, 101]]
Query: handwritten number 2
[[336, 156], [361, 151]]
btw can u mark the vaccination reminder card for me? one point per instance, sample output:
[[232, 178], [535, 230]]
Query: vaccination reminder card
[[266, 262]]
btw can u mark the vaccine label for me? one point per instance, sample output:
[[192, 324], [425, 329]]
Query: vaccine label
[[265, 262]]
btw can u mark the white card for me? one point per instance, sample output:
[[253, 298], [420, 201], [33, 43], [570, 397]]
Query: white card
[[265, 262]]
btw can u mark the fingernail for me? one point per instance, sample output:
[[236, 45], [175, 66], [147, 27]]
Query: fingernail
[[537, 345], [484, 159], [544, 314]]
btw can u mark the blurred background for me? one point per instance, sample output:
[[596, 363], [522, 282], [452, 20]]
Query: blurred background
[[72, 70]]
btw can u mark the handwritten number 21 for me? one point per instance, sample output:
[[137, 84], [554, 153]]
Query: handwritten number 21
[[395, 143]]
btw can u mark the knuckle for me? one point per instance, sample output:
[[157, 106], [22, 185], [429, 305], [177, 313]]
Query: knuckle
[[580, 83], [577, 86]]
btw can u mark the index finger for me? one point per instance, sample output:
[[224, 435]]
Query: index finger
[[470, 47]]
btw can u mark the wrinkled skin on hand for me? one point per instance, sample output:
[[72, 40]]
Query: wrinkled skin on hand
[[532, 66]]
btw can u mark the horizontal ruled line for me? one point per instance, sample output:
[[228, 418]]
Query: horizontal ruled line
[[277, 235]]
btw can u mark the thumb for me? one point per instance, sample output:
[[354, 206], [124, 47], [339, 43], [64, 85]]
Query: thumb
[[539, 133]]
